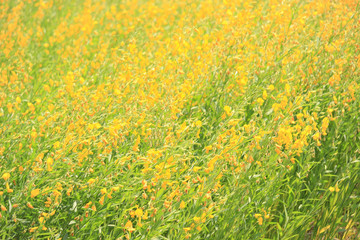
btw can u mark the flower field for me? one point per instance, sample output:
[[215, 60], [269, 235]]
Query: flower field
[[154, 119]]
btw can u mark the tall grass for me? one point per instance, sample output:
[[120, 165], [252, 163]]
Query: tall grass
[[179, 119]]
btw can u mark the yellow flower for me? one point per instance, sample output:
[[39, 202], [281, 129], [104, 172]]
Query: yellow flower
[[208, 148], [259, 218], [35, 192], [59, 186], [139, 212], [103, 191], [227, 110], [93, 208], [29, 205], [182, 205], [265, 94], [91, 181], [87, 205], [271, 87], [102, 199], [331, 189], [6, 176], [198, 123], [257, 215], [8, 189], [129, 226], [196, 219], [324, 125], [260, 101], [49, 162], [33, 229]]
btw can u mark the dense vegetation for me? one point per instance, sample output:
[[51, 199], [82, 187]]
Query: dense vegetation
[[179, 119]]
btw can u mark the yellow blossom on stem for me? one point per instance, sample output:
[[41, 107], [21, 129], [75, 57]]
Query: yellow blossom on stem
[[35, 192], [129, 226], [182, 205], [227, 110], [6, 176]]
